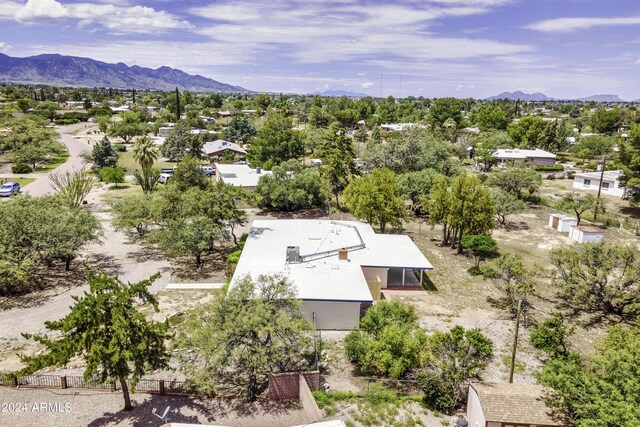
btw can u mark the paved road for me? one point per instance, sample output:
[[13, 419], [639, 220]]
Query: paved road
[[42, 186]]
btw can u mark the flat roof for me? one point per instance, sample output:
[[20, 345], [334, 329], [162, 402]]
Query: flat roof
[[590, 229], [514, 403], [239, 175], [608, 175], [321, 275], [517, 153]]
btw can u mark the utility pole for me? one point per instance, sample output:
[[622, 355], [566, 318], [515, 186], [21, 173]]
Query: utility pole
[[595, 209], [515, 343]]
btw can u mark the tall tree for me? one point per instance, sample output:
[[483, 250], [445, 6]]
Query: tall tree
[[275, 143], [240, 129], [377, 198], [606, 121], [506, 204], [145, 152], [338, 160], [237, 341], [629, 157], [178, 112], [128, 127], [103, 154], [107, 330], [291, 187], [580, 204]]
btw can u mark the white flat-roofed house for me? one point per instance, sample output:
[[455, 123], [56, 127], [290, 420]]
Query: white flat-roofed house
[[239, 175], [537, 156], [590, 181], [337, 267], [508, 405]]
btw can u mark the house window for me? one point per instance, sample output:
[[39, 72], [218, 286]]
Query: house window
[[587, 182], [605, 185]]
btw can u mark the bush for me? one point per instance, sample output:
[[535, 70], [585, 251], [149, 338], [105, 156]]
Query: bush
[[475, 271], [571, 174], [554, 168], [120, 148], [21, 168], [551, 177]]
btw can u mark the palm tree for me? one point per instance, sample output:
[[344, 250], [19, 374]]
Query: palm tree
[[144, 152]]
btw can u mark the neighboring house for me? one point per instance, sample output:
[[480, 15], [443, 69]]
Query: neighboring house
[[398, 127], [239, 175], [120, 109], [537, 156], [591, 181], [337, 267], [562, 224], [508, 405], [217, 149], [586, 234], [225, 113]]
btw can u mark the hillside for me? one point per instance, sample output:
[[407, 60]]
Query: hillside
[[58, 70], [521, 96]]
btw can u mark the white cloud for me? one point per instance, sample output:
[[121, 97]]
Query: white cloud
[[637, 62], [5, 47], [322, 31], [116, 16], [41, 10], [565, 25], [366, 85]]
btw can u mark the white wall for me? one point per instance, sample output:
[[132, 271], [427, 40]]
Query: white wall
[[613, 190], [333, 314], [565, 224], [582, 237], [372, 274], [475, 416]]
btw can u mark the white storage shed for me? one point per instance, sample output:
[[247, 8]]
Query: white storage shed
[[562, 224], [586, 234]]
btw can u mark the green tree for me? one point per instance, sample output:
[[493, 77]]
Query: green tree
[[104, 327], [240, 129], [454, 358], [516, 179], [136, 212], [145, 152], [600, 390], [112, 175], [606, 121], [443, 109], [580, 204], [599, 279], [189, 174], [527, 132], [506, 204], [481, 246], [177, 142], [551, 336], [491, 117], [291, 187], [629, 157], [103, 154], [389, 341], [147, 179], [275, 143], [237, 341], [515, 280], [129, 126], [338, 160], [594, 147], [377, 198], [416, 186]]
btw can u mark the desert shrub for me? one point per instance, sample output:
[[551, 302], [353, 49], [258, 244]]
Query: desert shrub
[[21, 168]]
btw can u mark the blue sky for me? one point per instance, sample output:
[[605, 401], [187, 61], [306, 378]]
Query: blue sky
[[433, 48]]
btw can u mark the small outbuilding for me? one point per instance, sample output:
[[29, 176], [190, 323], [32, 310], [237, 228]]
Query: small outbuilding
[[586, 234], [508, 405], [562, 224]]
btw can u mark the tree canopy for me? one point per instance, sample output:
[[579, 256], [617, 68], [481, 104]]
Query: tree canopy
[[104, 327], [291, 187], [275, 143]]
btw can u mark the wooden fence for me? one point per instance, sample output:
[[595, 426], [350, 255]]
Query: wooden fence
[[161, 387]]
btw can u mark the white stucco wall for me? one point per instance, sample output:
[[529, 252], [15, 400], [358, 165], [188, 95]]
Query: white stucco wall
[[565, 224], [613, 190], [332, 314], [374, 273], [582, 237], [475, 416]]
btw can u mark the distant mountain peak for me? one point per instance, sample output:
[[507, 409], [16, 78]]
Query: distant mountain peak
[[59, 70], [602, 98], [519, 95]]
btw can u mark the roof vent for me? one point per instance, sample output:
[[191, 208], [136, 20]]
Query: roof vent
[[293, 254]]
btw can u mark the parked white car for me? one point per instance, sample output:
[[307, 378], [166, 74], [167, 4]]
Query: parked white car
[[9, 189], [164, 177]]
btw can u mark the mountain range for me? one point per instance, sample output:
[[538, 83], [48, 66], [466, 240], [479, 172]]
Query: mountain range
[[519, 95], [58, 70]]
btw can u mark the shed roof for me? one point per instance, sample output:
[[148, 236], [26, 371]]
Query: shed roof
[[590, 229], [321, 276], [514, 403]]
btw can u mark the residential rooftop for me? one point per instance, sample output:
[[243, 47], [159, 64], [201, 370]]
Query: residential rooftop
[[608, 175], [520, 154], [320, 274], [239, 175], [514, 403], [218, 145]]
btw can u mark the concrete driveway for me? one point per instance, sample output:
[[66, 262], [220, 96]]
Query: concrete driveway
[[42, 186]]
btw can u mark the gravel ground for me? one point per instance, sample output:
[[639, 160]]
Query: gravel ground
[[91, 408]]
